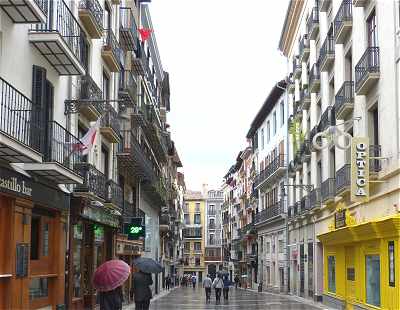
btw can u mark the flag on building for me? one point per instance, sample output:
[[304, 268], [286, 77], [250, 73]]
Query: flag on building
[[89, 138], [145, 33]]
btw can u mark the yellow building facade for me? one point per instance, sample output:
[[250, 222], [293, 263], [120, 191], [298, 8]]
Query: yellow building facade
[[194, 235]]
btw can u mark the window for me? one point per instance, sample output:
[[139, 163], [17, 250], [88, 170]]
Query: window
[[372, 31], [197, 219], [197, 207], [212, 239], [373, 280], [106, 86], [77, 258], [211, 210], [107, 17], [280, 246], [38, 288], [105, 161], [274, 124], [197, 261], [211, 224], [45, 234], [282, 111], [197, 246], [186, 208], [268, 131], [267, 248], [332, 274], [35, 236], [273, 244], [187, 219], [262, 244], [262, 138], [81, 133], [186, 247]]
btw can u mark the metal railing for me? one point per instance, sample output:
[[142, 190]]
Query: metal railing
[[43, 5], [296, 208], [110, 119], [303, 44], [192, 233], [128, 82], [94, 181], [344, 95], [305, 94], [328, 189], [327, 48], [313, 132], [375, 165], [19, 117], [315, 197], [343, 178], [90, 91], [94, 7], [61, 146], [128, 23], [344, 14], [277, 162], [327, 118], [314, 73], [313, 19], [369, 63], [305, 148], [60, 19], [296, 63], [114, 194], [269, 212], [304, 204], [110, 43], [130, 209]]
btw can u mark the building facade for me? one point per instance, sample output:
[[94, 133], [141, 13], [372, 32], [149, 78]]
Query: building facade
[[268, 133], [344, 151], [213, 232], [194, 234]]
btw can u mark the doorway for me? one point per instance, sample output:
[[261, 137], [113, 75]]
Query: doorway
[[350, 277]]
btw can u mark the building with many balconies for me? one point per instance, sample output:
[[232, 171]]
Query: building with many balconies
[[343, 232]]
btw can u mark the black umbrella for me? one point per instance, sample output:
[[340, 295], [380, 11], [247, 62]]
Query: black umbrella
[[147, 265]]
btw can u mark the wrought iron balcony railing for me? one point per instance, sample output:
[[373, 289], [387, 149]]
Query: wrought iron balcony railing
[[315, 198], [128, 30], [296, 208], [367, 70], [327, 118], [19, 119], [327, 52], [94, 181], [328, 190], [269, 212], [344, 99], [111, 51], [315, 77], [304, 48], [275, 165], [313, 23], [375, 165], [140, 63], [296, 67], [343, 21], [305, 99], [305, 150], [90, 91], [114, 194], [91, 14], [128, 89], [109, 124], [343, 176]]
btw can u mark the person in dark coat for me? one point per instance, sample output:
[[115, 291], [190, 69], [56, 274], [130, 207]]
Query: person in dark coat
[[236, 281], [141, 290], [111, 300]]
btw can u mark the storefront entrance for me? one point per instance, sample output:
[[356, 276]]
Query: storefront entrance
[[350, 277]]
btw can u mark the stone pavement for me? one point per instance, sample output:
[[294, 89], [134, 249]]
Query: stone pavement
[[187, 298]]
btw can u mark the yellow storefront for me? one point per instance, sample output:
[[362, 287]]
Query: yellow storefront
[[361, 264]]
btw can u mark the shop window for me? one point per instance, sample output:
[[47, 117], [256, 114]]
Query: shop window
[[99, 244], [373, 280], [35, 236], [45, 251], [38, 288], [332, 274], [77, 258]]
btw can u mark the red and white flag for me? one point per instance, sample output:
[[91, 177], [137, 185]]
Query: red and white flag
[[145, 33], [89, 138]]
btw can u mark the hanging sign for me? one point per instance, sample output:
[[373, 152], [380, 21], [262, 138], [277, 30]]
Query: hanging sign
[[359, 169], [340, 218]]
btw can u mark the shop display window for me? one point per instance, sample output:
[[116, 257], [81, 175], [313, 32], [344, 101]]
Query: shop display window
[[77, 255], [332, 274], [373, 280], [38, 288]]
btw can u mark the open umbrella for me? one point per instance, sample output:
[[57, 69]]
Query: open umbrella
[[147, 265], [110, 275]]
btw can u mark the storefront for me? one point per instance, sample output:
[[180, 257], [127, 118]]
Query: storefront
[[361, 264], [32, 242], [92, 237]]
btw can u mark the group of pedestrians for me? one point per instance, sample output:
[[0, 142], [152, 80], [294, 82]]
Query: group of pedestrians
[[220, 284]]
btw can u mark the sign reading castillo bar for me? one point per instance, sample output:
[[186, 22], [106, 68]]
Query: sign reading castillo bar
[[13, 184]]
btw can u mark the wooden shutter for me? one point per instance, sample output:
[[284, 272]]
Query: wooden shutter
[[281, 147], [38, 106]]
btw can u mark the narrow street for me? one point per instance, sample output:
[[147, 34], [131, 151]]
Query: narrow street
[[187, 298]]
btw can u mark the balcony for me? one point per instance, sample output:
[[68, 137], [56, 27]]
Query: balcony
[[315, 79], [61, 151], [109, 125], [91, 16], [111, 51], [60, 39], [298, 110], [164, 223], [212, 258], [140, 63], [305, 151], [343, 176], [25, 12], [249, 230], [296, 67], [128, 30], [328, 188], [313, 132], [327, 53], [367, 70], [128, 89], [305, 204], [344, 100], [327, 118], [343, 22], [20, 126], [304, 49], [313, 24], [94, 184], [296, 209], [273, 171], [130, 210], [269, 213], [192, 233], [291, 86], [305, 99], [315, 198], [374, 164], [359, 3], [114, 195], [324, 5], [292, 169], [91, 99]]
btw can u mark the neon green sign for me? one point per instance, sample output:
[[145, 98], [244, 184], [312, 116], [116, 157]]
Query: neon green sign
[[135, 229]]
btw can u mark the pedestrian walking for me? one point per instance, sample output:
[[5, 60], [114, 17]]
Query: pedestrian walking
[[111, 300], [236, 281], [194, 280], [167, 282], [218, 284], [227, 283], [141, 289], [207, 284]]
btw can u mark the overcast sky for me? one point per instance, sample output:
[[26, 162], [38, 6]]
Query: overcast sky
[[223, 59]]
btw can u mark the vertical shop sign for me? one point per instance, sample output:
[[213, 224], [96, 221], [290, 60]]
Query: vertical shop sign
[[359, 169], [391, 263]]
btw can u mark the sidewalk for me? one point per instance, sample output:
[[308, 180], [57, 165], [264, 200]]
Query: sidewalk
[[294, 298], [158, 296]]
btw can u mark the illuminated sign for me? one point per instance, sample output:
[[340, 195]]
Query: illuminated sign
[[135, 229], [359, 169]]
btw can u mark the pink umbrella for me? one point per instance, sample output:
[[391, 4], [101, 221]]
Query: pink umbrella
[[110, 275]]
